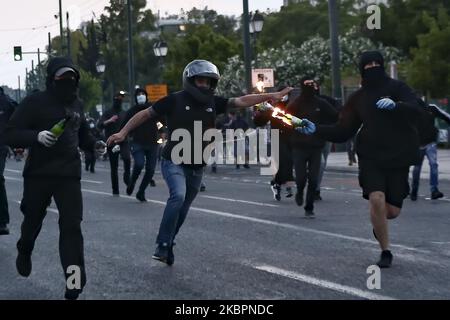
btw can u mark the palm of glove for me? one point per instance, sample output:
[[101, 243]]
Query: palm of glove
[[386, 104], [307, 127]]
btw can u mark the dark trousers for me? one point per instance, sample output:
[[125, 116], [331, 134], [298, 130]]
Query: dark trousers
[[143, 156], [4, 214], [37, 193], [307, 168], [114, 163], [90, 160], [285, 166]]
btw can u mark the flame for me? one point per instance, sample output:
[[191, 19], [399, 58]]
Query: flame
[[282, 115]]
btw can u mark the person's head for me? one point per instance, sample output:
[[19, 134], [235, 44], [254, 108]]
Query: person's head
[[63, 79], [200, 78], [140, 96], [371, 67], [308, 86], [118, 99]]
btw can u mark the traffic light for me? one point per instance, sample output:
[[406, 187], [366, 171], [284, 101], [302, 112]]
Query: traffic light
[[17, 53]]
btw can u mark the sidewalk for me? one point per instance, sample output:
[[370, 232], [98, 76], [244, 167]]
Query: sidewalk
[[338, 162]]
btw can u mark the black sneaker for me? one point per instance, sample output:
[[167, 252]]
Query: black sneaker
[[141, 196], [299, 198], [214, 169], [413, 196], [23, 264], [309, 214], [289, 193], [162, 253], [202, 187], [385, 259], [92, 170], [246, 166], [436, 194], [4, 229], [238, 166], [152, 183], [276, 189], [130, 189], [317, 196]]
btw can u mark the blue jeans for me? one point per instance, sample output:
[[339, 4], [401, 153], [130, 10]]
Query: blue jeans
[[430, 151], [4, 215], [184, 184], [143, 156]]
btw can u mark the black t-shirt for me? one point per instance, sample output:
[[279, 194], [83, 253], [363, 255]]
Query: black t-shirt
[[182, 111]]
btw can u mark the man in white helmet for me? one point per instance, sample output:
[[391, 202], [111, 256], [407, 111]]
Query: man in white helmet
[[195, 103]]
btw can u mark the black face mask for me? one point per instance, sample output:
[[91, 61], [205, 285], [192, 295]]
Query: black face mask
[[308, 91], [373, 76], [65, 90], [117, 104]]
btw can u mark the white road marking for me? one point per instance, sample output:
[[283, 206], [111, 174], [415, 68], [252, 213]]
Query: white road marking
[[323, 283], [242, 201], [273, 223], [92, 181], [48, 209], [15, 171]]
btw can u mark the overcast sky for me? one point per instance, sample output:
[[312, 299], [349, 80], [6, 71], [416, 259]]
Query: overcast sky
[[26, 23]]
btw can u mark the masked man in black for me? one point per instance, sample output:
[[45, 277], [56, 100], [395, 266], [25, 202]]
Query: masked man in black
[[386, 113], [53, 168], [111, 122]]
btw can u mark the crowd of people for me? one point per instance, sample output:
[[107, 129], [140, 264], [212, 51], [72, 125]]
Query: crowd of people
[[382, 114]]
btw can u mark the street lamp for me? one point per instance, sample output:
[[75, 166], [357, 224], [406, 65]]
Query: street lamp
[[100, 66], [255, 27], [160, 49]]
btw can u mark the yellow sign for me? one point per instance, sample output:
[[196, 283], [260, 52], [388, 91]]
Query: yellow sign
[[156, 91]]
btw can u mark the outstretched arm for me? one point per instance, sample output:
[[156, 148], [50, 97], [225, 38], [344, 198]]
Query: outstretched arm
[[138, 119], [252, 99]]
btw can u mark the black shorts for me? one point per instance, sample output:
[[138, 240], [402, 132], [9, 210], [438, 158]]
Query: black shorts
[[393, 182]]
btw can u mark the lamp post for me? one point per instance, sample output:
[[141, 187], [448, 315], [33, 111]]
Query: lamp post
[[100, 66], [255, 26], [160, 49]]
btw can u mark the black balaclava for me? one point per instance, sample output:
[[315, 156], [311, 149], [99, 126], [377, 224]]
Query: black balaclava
[[117, 102], [66, 88], [307, 90], [373, 76]]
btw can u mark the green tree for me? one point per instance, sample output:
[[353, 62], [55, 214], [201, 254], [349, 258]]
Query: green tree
[[90, 90], [429, 70], [199, 42]]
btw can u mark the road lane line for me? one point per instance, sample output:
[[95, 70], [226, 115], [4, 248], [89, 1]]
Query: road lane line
[[242, 201], [92, 181], [272, 223], [15, 171], [322, 283], [48, 209]]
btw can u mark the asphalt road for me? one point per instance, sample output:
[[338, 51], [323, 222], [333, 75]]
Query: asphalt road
[[237, 243]]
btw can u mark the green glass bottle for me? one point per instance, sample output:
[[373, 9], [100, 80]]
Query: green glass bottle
[[58, 128]]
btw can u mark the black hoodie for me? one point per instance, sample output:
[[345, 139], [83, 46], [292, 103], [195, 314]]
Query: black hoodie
[[388, 138], [147, 133], [41, 111]]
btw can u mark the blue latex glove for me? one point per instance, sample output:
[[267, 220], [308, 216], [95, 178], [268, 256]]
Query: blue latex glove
[[386, 103], [307, 127]]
